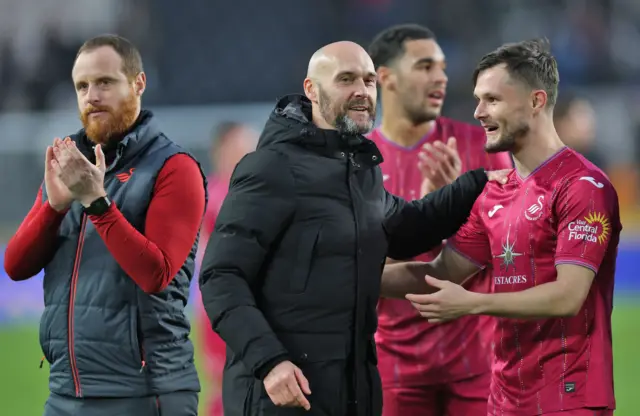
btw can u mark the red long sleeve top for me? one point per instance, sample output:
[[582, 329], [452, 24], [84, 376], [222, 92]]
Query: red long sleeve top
[[151, 259]]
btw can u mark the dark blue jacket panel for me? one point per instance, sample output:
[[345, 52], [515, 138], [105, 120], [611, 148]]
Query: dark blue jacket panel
[[102, 335]]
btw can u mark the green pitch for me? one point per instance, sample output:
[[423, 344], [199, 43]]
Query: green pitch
[[23, 385]]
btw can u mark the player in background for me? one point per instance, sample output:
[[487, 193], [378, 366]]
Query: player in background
[[575, 121], [549, 237], [230, 142], [426, 369]]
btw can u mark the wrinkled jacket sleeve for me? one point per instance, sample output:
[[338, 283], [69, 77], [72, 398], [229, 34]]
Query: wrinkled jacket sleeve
[[256, 210], [418, 226]]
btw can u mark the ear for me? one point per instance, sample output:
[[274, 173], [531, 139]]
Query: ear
[[310, 90], [386, 78], [538, 100], [140, 84]]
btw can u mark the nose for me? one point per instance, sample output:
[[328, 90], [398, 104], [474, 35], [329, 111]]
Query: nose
[[93, 95], [360, 89], [441, 76], [480, 112]]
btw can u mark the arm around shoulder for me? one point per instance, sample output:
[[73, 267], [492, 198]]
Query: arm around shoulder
[[416, 227], [258, 207]]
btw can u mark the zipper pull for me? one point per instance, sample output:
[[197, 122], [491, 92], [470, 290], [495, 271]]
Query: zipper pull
[[352, 160], [42, 361], [144, 364]]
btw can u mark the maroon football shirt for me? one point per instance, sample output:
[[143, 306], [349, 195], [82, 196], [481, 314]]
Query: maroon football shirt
[[565, 212], [411, 351]]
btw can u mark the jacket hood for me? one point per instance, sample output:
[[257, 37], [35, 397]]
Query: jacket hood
[[290, 122]]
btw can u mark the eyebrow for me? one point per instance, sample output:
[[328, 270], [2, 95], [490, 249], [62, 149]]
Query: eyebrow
[[428, 61], [106, 78], [425, 61], [486, 94], [369, 74], [98, 78]]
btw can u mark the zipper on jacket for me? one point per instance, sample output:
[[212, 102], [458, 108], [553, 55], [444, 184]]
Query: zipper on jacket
[[356, 362], [143, 360], [139, 337], [353, 161], [144, 363], [72, 299]]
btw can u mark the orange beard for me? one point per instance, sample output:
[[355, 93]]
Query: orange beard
[[119, 121]]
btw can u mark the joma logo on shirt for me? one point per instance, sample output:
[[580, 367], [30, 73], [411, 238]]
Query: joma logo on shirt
[[510, 280]]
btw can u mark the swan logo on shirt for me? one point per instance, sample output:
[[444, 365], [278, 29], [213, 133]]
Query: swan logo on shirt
[[594, 228], [535, 211]]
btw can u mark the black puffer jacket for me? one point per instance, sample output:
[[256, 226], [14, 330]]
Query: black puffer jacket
[[292, 270]]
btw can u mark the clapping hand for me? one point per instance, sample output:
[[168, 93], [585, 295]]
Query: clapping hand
[[440, 165], [58, 195], [83, 179]]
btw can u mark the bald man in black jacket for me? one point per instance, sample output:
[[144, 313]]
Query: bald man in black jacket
[[291, 275]]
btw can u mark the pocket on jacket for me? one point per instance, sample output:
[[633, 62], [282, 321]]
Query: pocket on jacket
[[133, 335], [304, 259]]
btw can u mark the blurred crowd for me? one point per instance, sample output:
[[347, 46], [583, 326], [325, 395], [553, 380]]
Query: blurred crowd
[[246, 51], [225, 51]]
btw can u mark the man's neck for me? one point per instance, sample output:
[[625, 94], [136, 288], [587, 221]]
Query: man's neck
[[402, 131], [537, 149]]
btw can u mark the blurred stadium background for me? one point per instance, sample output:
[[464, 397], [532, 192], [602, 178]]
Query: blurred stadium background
[[209, 62]]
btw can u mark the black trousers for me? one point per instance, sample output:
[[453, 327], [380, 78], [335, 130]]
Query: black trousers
[[184, 403]]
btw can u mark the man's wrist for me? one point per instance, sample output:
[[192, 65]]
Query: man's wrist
[[90, 199], [264, 370], [60, 209], [480, 304]]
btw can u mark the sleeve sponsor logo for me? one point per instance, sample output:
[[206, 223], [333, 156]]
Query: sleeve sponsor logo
[[594, 228]]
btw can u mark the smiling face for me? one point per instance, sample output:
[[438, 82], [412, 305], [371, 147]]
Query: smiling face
[[348, 110], [516, 87], [108, 100], [345, 91], [503, 108]]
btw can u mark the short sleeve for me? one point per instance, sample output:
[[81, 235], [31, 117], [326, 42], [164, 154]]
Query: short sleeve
[[471, 240], [587, 218]]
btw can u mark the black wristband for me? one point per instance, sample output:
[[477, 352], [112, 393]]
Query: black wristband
[[98, 207]]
